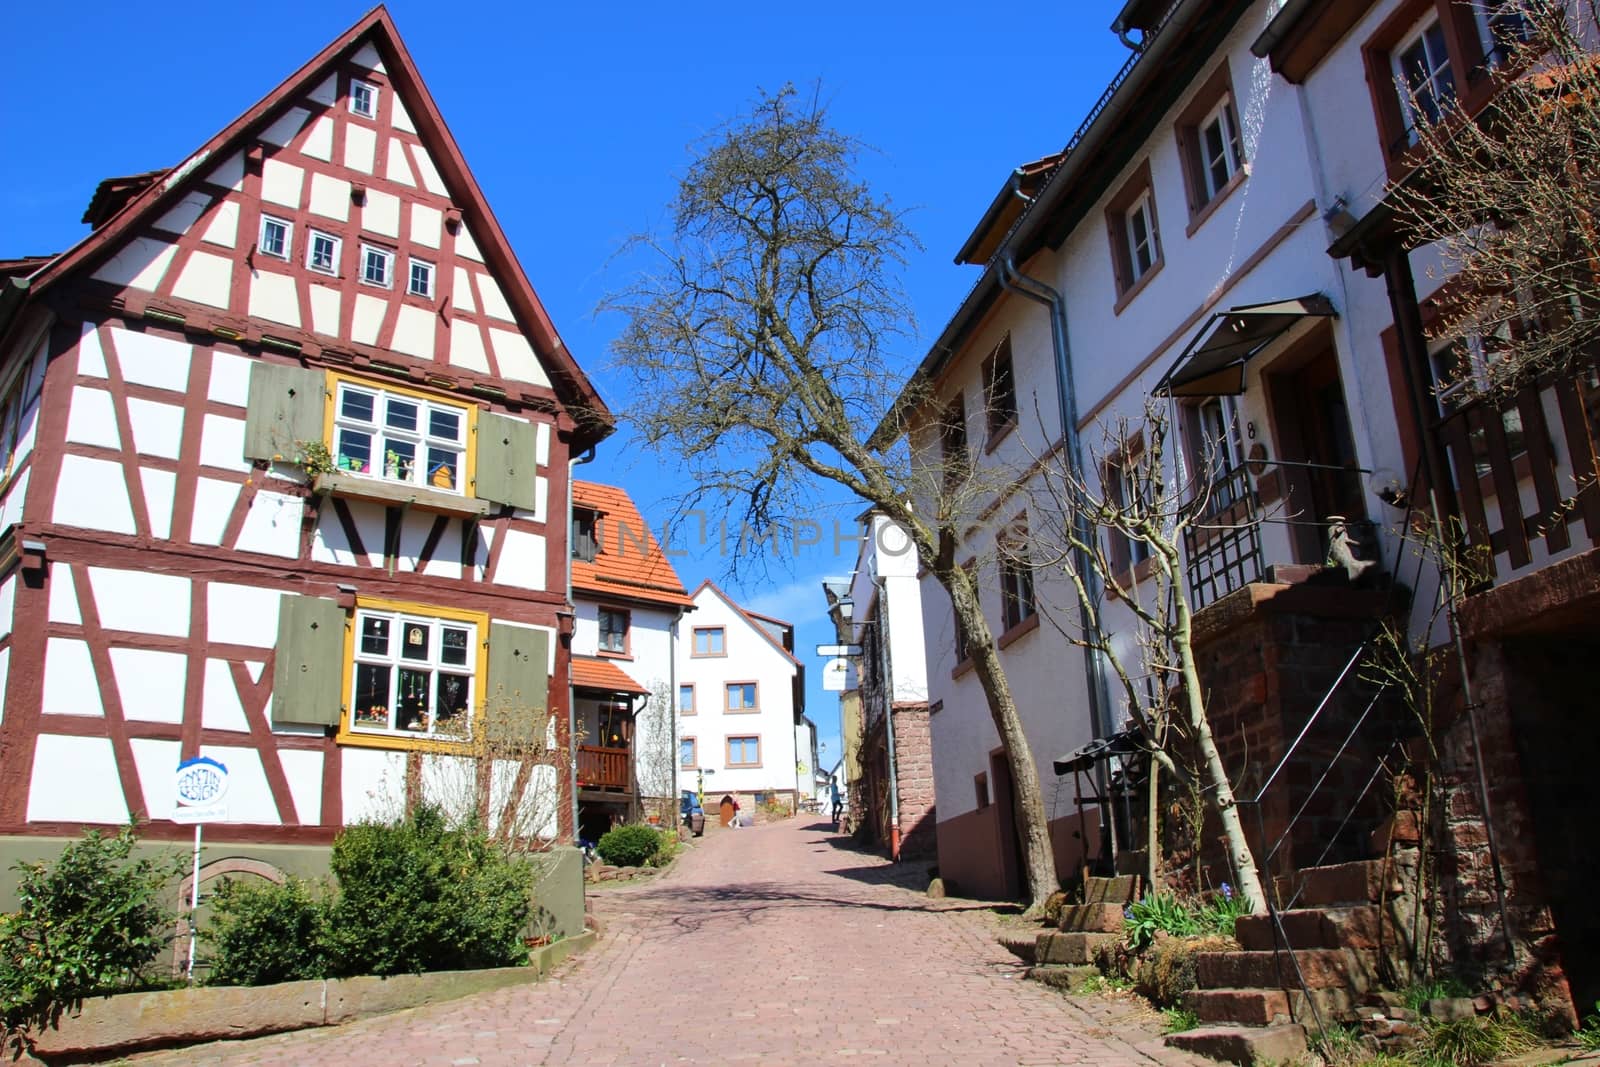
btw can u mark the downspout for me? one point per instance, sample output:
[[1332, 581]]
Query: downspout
[[572, 605], [882, 622], [1067, 404]]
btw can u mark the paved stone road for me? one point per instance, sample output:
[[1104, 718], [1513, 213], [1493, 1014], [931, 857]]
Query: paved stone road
[[772, 945]]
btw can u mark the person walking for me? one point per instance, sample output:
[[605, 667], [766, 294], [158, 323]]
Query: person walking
[[838, 799]]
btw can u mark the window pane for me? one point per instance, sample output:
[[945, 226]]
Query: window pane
[[418, 641], [354, 404], [444, 423], [355, 451], [685, 698], [375, 636], [412, 713], [442, 468], [401, 414], [450, 708], [686, 753], [453, 647], [372, 695], [399, 457]]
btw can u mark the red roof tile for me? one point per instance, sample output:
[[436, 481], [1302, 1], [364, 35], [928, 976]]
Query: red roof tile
[[630, 564], [603, 675]]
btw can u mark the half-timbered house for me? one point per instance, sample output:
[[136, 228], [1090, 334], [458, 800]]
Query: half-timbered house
[[284, 481]]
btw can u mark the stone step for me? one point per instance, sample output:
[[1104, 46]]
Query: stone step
[[1119, 890], [1263, 1007], [1321, 968], [1065, 979], [1358, 927], [1091, 918], [1246, 1046], [1019, 945], [1402, 829], [1069, 948], [1357, 882]]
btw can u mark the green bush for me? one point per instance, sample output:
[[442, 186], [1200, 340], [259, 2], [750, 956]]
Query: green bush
[[667, 846], [629, 846], [263, 932], [1156, 913], [1219, 913], [88, 925], [420, 896]]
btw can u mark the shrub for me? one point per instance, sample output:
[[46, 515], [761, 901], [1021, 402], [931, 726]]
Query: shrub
[[1474, 1041], [629, 846], [89, 924], [667, 847], [419, 896], [264, 932]]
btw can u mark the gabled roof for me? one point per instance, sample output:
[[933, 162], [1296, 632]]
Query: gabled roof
[[630, 563], [126, 213], [754, 619]]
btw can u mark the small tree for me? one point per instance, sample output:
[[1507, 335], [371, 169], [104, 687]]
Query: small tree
[[655, 752], [1160, 684], [759, 342], [1510, 199]]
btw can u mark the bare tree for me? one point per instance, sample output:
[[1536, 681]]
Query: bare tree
[[1512, 201], [760, 344], [656, 755], [1139, 506]]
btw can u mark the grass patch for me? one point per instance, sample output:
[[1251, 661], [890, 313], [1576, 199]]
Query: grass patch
[[1417, 994], [1099, 983]]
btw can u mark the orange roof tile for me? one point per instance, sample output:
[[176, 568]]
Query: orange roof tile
[[630, 563], [604, 675]]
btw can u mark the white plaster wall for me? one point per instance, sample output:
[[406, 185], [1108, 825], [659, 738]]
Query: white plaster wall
[[750, 657], [93, 494], [90, 792], [372, 784], [153, 360], [303, 769], [141, 601], [522, 560], [150, 683], [220, 706], [272, 525]]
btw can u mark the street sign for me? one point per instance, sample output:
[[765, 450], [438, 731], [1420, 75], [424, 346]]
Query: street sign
[[835, 676], [831, 651], [200, 787]]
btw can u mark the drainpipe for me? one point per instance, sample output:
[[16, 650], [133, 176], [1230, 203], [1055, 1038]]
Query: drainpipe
[[1067, 403], [882, 622], [572, 605], [1120, 28]]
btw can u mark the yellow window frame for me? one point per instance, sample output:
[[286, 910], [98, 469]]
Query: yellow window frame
[[480, 677], [469, 474]]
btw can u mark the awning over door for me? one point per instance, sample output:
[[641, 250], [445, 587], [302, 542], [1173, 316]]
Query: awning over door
[[603, 676], [1213, 363]]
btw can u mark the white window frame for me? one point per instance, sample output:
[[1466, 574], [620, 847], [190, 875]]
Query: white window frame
[[1215, 450], [1435, 68], [332, 269], [621, 635], [387, 255], [383, 437], [1222, 116], [1143, 206], [288, 237], [385, 720], [411, 278], [371, 111], [1487, 14]]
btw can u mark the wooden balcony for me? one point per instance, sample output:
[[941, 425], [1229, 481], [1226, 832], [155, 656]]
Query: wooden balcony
[[604, 768], [1524, 469]]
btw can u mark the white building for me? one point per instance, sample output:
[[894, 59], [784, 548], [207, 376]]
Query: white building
[[741, 704], [628, 601]]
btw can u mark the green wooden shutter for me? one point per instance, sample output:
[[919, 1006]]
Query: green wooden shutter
[[508, 460], [287, 406], [308, 672], [518, 697]]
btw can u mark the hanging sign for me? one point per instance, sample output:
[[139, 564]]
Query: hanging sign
[[200, 788], [835, 676]]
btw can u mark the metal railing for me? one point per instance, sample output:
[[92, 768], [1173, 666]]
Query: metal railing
[[1222, 552]]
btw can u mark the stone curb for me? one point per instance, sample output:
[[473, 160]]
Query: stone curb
[[144, 1021]]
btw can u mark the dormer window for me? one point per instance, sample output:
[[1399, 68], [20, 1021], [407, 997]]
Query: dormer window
[[585, 534], [363, 99]]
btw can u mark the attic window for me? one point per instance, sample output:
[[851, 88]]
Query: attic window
[[274, 237], [363, 99], [585, 534]]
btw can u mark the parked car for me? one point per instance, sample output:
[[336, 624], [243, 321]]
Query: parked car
[[694, 817]]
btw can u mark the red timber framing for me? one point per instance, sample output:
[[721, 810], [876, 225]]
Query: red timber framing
[[203, 523]]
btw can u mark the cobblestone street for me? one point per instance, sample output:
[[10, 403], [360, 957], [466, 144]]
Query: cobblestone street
[[771, 945]]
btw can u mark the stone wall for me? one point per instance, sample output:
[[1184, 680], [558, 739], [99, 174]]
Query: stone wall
[[914, 775]]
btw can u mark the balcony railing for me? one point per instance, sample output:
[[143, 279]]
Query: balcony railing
[[603, 768], [1223, 548], [1524, 467]]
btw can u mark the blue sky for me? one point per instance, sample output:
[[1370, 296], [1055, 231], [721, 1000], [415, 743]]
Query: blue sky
[[576, 120]]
